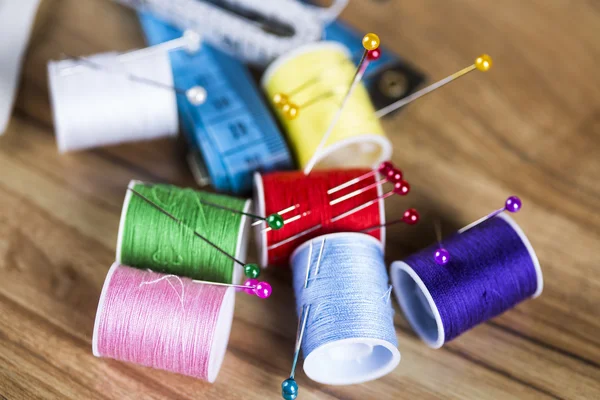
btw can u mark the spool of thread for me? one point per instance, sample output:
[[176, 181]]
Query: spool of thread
[[94, 108], [163, 321], [277, 191], [349, 335], [492, 268], [358, 140], [150, 239]]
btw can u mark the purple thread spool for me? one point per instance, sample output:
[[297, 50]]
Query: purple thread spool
[[493, 269]]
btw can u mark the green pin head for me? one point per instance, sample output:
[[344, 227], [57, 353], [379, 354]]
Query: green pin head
[[275, 221], [251, 271]]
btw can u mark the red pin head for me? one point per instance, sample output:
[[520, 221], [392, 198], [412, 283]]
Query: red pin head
[[373, 55], [385, 167], [402, 188], [394, 175], [410, 216]]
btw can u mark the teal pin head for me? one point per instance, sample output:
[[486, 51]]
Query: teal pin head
[[289, 389]]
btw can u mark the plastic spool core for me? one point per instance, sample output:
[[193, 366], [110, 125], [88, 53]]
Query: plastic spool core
[[353, 360], [418, 305]]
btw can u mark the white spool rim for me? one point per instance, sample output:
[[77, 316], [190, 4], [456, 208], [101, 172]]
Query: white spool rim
[[54, 102], [307, 48], [357, 235], [126, 202], [381, 211], [259, 233], [221, 334], [382, 142], [241, 249], [529, 247], [321, 367], [100, 308], [405, 281]]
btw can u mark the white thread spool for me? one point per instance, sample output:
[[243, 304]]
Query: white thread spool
[[95, 108]]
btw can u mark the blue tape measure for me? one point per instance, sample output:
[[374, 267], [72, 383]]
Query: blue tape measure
[[232, 134], [388, 79]]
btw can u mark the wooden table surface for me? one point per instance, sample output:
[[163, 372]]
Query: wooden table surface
[[530, 127]]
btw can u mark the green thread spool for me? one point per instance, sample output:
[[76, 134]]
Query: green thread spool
[[150, 239]]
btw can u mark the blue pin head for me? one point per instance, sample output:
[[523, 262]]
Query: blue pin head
[[289, 389]]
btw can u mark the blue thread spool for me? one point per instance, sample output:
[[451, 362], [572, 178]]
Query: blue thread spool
[[492, 268], [232, 133], [349, 336]]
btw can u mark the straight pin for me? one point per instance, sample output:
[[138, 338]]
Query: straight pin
[[189, 41], [275, 221], [482, 63], [250, 270], [289, 387], [512, 204], [370, 42]]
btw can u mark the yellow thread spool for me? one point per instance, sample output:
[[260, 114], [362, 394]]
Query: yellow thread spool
[[358, 139]]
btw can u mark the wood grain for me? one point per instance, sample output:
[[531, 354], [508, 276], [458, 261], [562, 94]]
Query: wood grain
[[531, 127]]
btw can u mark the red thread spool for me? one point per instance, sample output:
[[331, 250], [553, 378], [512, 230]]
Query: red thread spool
[[279, 190]]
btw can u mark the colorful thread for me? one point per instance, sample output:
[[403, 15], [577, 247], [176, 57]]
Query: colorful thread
[[163, 321], [341, 286], [308, 197], [150, 239], [493, 268], [324, 71]]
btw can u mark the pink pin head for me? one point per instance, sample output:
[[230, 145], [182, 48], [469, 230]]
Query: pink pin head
[[385, 167], [410, 216], [263, 290], [373, 55], [402, 188], [394, 175], [250, 285]]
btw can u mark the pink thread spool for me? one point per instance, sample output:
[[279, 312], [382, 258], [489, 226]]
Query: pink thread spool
[[163, 321]]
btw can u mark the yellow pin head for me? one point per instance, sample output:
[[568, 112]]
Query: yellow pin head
[[483, 62], [370, 41], [280, 99], [290, 111]]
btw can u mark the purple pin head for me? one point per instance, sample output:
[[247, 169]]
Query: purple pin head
[[513, 204], [442, 256]]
